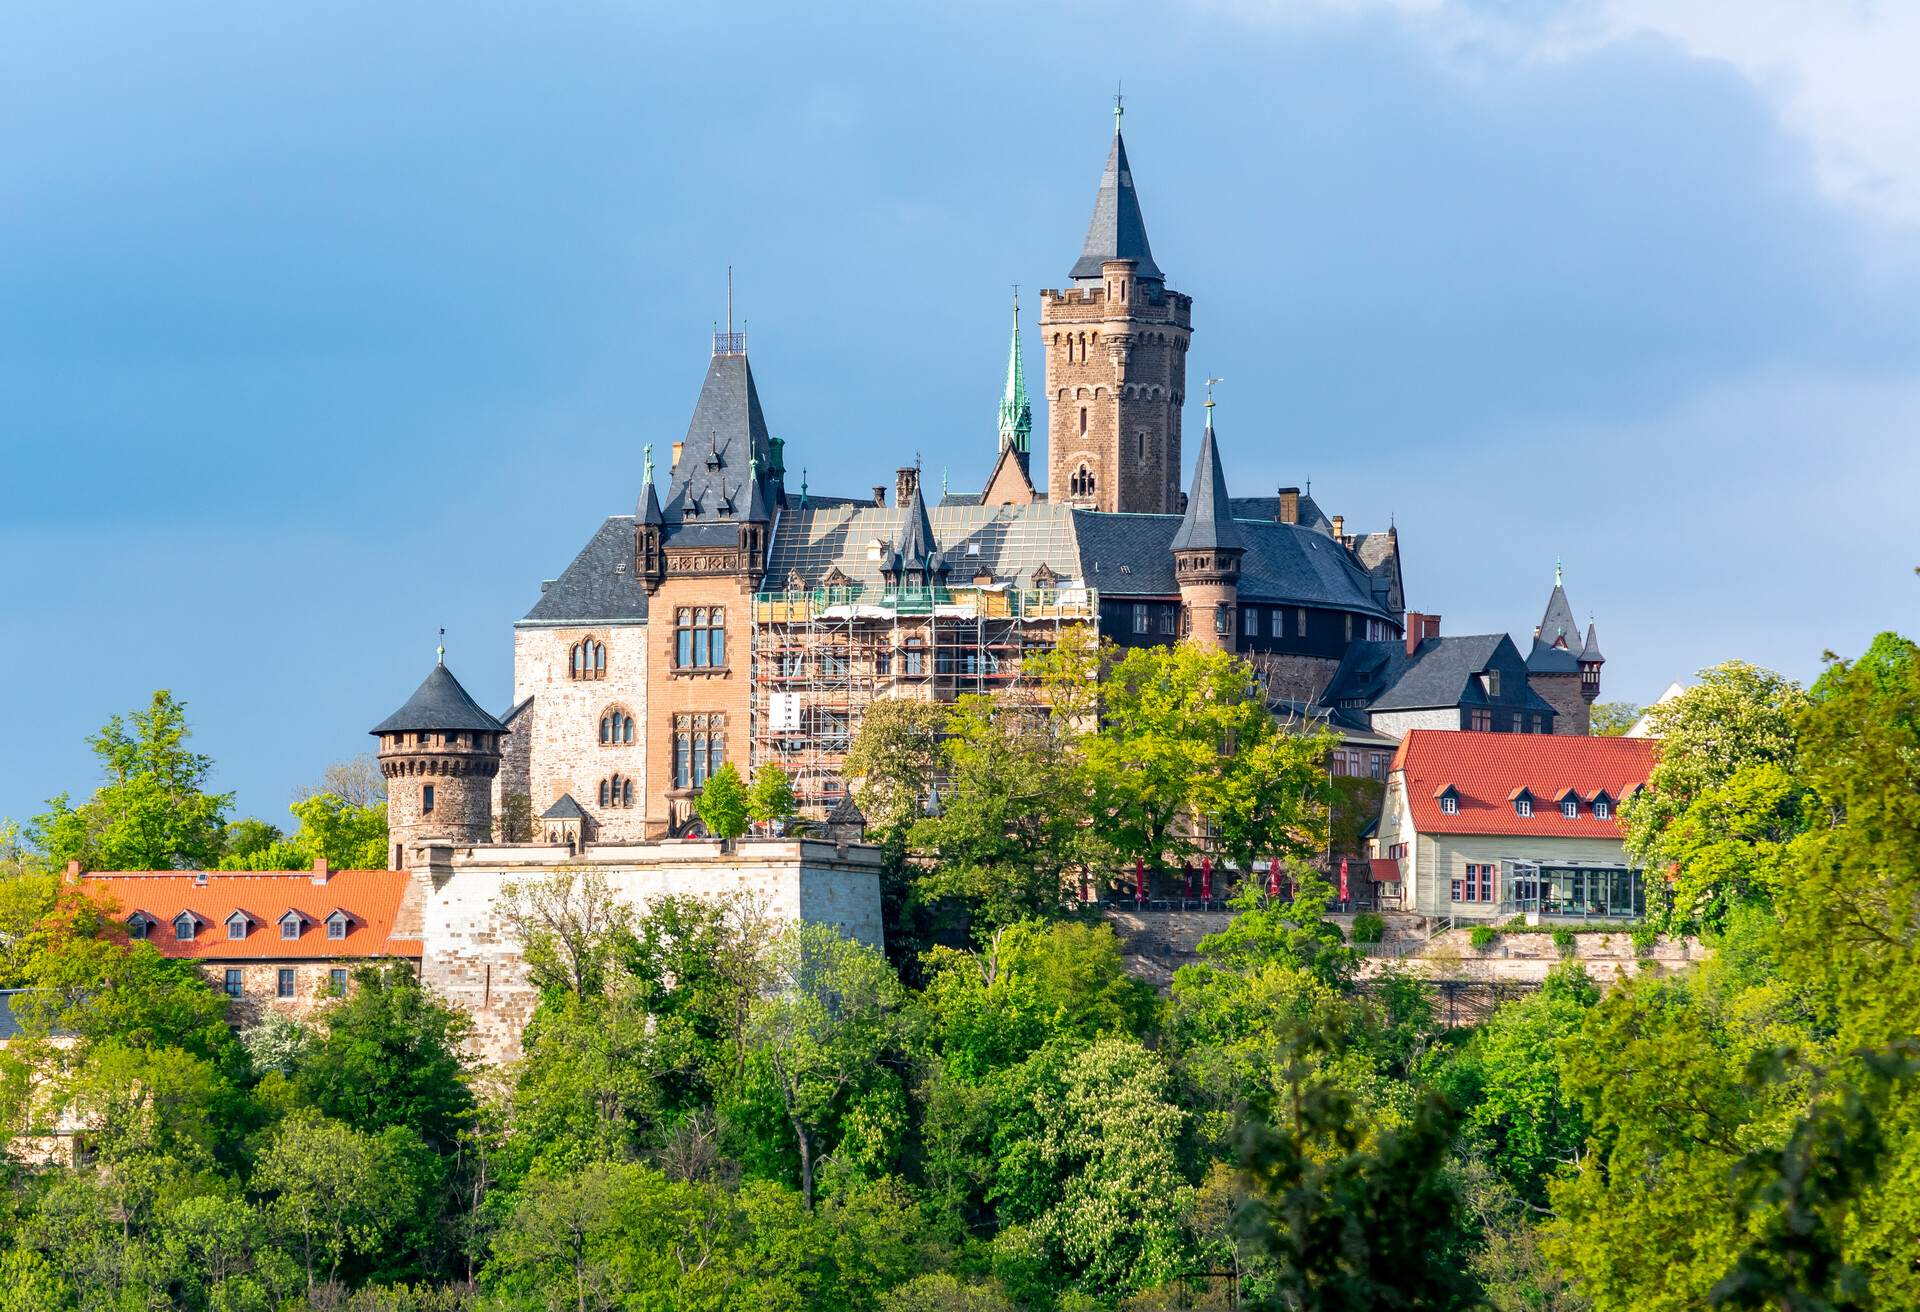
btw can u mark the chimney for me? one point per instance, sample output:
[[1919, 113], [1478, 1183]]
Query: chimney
[[879, 494], [905, 479], [676, 454], [1289, 511], [73, 872], [320, 875], [1339, 528], [1420, 626]]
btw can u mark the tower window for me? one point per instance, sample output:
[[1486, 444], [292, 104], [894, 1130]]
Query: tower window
[[699, 748], [1143, 444], [1082, 484], [1223, 619], [1083, 421], [426, 799], [616, 729], [587, 660], [700, 637]]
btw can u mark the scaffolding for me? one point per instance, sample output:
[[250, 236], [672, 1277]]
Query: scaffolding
[[822, 655]]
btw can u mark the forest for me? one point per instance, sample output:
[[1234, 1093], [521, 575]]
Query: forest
[[715, 1111]]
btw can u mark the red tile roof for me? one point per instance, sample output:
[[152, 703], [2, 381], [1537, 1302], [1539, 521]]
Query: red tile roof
[[371, 898], [1487, 770]]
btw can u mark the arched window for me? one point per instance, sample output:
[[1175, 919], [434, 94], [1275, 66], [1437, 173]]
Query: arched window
[[1082, 482], [603, 792], [1083, 421], [587, 660], [616, 728], [626, 792]]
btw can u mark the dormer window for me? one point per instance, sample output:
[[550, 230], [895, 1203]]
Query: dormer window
[[1449, 801], [1570, 809], [337, 925], [184, 926], [1523, 804], [1493, 682], [139, 925], [1602, 806], [238, 923], [291, 924]]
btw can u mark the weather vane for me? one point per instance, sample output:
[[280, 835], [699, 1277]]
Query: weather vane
[[1119, 106], [441, 651]]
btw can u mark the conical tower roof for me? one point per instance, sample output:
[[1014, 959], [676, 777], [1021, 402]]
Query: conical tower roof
[[1590, 653], [1558, 627], [649, 507], [727, 434], [1117, 232], [439, 705], [914, 548], [1208, 524]]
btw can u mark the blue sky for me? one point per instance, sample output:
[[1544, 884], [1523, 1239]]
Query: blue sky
[[322, 326]]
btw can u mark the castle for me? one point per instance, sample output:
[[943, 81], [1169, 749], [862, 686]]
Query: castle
[[732, 618]]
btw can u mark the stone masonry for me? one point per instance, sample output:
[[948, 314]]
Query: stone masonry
[[470, 959], [559, 734]]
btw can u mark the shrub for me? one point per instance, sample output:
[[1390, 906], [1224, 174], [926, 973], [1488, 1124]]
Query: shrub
[[1483, 937], [1563, 940], [1644, 937], [1368, 928], [1518, 922]]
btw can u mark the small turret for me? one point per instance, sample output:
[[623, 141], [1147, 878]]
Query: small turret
[[1207, 548], [439, 753], [1590, 662]]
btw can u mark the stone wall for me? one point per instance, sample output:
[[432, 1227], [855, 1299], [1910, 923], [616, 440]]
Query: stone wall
[[313, 985], [472, 961], [1396, 723], [560, 731], [1573, 712]]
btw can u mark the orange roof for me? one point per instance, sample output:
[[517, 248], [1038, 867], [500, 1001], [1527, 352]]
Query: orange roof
[[1487, 771], [371, 899]]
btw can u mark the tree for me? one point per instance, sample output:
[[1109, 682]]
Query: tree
[[389, 1055], [894, 760], [1739, 718], [356, 781], [334, 1191], [770, 801], [1088, 1183], [822, 1036], [1014, 815], [1169, 716], [153, 812], [1352, 1224], [722, 804], [1612, 719], [570, 926], [1269, 797]]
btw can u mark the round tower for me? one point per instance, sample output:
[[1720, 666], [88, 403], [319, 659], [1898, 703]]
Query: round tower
[[1207, 548], [439, 753]]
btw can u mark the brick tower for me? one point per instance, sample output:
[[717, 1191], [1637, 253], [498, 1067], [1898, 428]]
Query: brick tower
[[439, 753], [1207, 548], [1116, 352]]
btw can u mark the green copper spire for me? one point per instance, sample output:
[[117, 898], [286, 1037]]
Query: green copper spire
[[1016, 412]]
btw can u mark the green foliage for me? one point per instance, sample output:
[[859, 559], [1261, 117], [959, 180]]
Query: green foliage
[[1645, 937], [770, 801], [722, 804], [1563, 940], [153, 811], [1483, 937], [345, 835], [893, 761], [1612, 719], [388, 1055], [1368, 928]]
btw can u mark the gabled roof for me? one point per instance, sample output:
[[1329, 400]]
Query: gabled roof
[[439, 704], [1488, 770], [1117, 232], [599, 586], [1208, 523], [370, 898], [1440, 673], [726, 459]]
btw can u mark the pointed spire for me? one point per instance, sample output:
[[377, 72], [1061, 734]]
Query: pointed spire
[[915, 550], [1117, 232], [440, 652], [1558, 627], [1558, 578], [1016, 411], [1208, 523], [1590, 653], [649, 509]]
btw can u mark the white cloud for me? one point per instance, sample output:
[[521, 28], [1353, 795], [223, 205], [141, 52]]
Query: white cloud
[[1841, 73]]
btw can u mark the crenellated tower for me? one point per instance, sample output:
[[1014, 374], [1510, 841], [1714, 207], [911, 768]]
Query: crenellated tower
[[439, 753], [1116, 351]]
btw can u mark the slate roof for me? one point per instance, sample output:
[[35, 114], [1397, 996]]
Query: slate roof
[[1558, 626], [1117, 232], [598, 587], [1008, 542], [1310, 514], [726, 444], [961, 499], [1590, 651], [564, 809], [1440, 673], [914, 547], [1486, 769], [1207, 524], [1548, 659], [439, 704], [371, 898]]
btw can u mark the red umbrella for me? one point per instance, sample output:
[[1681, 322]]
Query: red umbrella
[[1343, 879], [1206, 879], [1139, 882], [1273, 877]]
